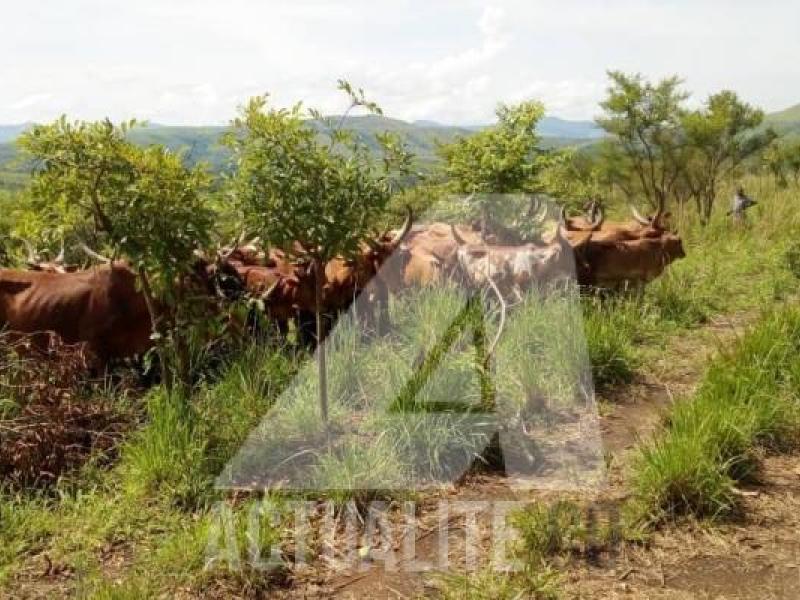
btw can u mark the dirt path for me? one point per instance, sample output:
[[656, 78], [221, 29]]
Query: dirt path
[[629, 413], [757, 557]]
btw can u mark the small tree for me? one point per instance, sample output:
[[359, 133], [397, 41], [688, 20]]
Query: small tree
[[572, 174], [645, 122], [720, 137], [315, 200], [502, 159], [146, 204], [782, 160]]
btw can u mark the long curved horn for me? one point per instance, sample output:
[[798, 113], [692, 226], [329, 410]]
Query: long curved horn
[[560, 235], [224, 256], [459, 240], [92, 254], [597, 223], [534, 204], [503, 309], [59, 260], [563, 216], [403, 230], [638, 217], [33, 256], [658, 216], [265, 296]]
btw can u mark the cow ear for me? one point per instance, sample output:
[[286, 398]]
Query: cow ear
[[14, 287]]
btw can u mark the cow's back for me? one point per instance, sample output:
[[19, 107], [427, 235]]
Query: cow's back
[[99, 306]]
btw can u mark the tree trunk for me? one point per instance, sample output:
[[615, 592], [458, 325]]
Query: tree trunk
[[183, 381], [155, 324], [322, 369]]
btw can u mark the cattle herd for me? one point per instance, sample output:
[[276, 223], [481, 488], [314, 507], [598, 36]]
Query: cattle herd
[[102, 306]]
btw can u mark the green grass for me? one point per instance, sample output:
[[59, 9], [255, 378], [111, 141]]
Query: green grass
[[747, 403], [491, 584]]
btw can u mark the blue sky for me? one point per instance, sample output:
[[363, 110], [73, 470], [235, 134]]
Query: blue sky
[[194, 61]]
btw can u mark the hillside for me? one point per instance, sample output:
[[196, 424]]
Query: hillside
[[201, 142], [9, 132], [786, 121]]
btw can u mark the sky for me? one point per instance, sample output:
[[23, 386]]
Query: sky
[[452, 61]]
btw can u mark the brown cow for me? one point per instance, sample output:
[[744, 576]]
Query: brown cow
[[515, 268], [101, 306], [287, 287], [613, 263], [428, 255]]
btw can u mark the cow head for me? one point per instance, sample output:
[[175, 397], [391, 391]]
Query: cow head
[[652, 225], [593, 221], [515, 267], [672, 247], [389, 252]]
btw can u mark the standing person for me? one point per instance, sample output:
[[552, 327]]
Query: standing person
[[741, 202]]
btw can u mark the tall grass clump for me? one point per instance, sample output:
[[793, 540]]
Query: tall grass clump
[[166, 459], [746, 404], [229, 409], [613, 327], [490, 583]]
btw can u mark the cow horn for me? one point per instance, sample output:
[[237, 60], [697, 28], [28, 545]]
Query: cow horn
[[33, 256], [563, 216], [265, 296], [638, 217], [560, 235], [659, 215], [501, 326], [598, 220], [459, 240], [404, 230], [223, 256], [59, 260], [92, 254], [534, 204]]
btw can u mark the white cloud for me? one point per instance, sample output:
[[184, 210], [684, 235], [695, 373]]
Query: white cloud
[[30, 101], [194, 61]]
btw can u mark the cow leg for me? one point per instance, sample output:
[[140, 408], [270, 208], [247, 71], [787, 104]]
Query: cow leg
[[306, 328], [382, 307]]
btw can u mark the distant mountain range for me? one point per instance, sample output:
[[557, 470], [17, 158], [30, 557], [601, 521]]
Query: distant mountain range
[[786, 121], [201, 143], [9, 133]]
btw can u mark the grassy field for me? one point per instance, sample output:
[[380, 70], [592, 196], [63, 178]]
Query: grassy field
[[135, 522]]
